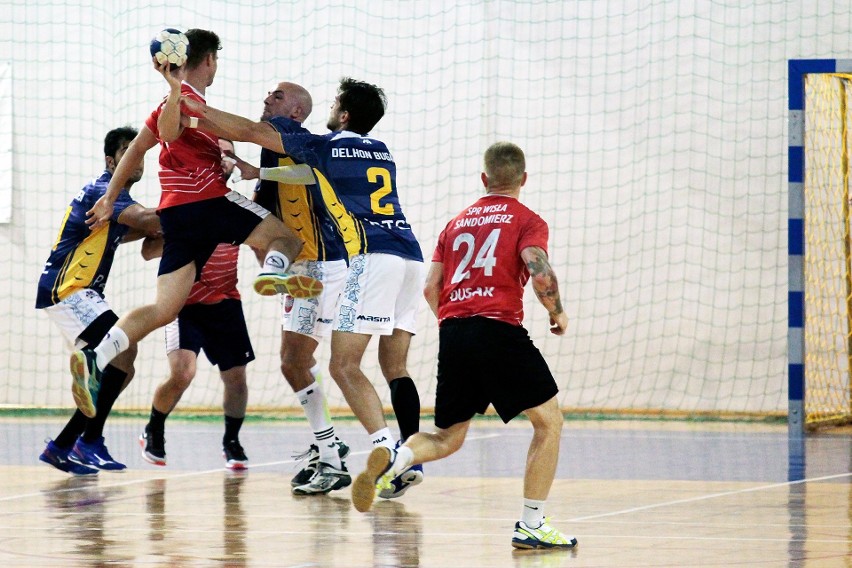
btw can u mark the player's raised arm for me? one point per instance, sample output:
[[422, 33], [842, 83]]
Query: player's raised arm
[[168, 123], [234, 127], [546, 287], [101, 212]]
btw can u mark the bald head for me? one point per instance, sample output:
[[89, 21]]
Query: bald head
[[505, 167], [288, 100]]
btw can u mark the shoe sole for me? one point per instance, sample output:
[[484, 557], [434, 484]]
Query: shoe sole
[[148, 458], [364, 488], [296, 285], [526, 545], [80, 388], [235, 465]]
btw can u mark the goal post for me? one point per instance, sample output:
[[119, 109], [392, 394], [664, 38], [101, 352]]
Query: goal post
[[819, 245]]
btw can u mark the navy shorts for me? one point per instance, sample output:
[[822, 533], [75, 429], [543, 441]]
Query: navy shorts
[[191, 232], [483, 361], [219, 329]]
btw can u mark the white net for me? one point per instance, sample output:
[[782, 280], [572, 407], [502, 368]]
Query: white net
[[654, 135]]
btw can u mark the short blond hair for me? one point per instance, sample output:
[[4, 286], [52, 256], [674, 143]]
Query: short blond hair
[[504, 164]]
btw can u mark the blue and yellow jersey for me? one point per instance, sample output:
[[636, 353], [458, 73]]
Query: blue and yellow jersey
[[357, 177], [81, 258], [300, 207]]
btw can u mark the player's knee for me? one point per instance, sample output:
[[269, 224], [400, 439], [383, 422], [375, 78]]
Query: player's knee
[[181, 378]]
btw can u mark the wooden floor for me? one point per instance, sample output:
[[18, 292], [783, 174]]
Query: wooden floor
[[634, 494]]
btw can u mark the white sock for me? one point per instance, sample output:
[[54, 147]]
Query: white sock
[[313, 404], [533, 515], [383, 437], [275, 262], [404, 459], [113, 343]]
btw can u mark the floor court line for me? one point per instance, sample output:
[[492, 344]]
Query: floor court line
[[188, 473], [709, 496]]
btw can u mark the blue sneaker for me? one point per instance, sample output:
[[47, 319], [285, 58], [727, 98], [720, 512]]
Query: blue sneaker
[[96, 455], [402, 482], [64, 460], [87, 381]]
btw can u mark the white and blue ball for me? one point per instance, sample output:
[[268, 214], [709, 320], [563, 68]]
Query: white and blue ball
[[170, 45]]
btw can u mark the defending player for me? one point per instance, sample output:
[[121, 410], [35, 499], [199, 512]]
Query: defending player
[[306, 321], [71, 293], [193, 205], [475, 287], [212, 319], [357, 174]]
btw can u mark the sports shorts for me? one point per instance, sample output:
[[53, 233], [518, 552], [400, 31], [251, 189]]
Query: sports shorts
[[219, 329], [314, 316], [84, 318], [483, 361], [382, 292], [192, 231]]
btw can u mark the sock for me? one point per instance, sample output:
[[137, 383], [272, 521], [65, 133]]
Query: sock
[[404, 459], [533, 515], [383, 437], [75, 426], [232, 428], [406, 406], [113, 343], [157, 420], [111, 383], [316, 410], [275, 262]]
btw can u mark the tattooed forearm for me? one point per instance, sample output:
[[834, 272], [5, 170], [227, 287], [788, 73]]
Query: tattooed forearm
[[544, 281]]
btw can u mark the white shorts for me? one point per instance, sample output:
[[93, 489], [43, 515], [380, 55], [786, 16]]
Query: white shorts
[[76, 313], [314, 316], [383, 292]]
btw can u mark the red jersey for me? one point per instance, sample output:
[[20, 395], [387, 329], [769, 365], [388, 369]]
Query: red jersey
[[191, 166], [483, 274], [218, 277]]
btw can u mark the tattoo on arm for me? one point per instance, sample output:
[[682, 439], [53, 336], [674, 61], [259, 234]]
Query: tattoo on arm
[[544, 282]]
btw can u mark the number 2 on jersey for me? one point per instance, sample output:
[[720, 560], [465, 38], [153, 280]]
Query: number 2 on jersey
[[374, 175], [484, 256]]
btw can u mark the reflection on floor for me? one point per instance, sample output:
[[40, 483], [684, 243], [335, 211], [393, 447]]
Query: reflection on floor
[[634, 494]]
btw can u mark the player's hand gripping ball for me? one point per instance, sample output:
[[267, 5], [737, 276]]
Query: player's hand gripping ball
[[170, 45]]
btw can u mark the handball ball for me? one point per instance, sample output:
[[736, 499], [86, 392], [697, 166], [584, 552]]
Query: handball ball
[[170, 45]]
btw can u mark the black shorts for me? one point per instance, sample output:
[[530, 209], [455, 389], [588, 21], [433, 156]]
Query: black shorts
[[191, 232], [218, 329], [482, 361]]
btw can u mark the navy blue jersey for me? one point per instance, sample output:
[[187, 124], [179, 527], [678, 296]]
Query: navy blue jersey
[[81, 258], [300, 207], [357, 176]]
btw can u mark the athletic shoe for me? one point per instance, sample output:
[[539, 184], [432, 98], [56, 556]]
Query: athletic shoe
[[64, 460], [312, 455], [96, 455], [235, 456], [543, 536], [377, 475], [402, 482], [296, 285], [87, 381], [153, 444], [326, 479]]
